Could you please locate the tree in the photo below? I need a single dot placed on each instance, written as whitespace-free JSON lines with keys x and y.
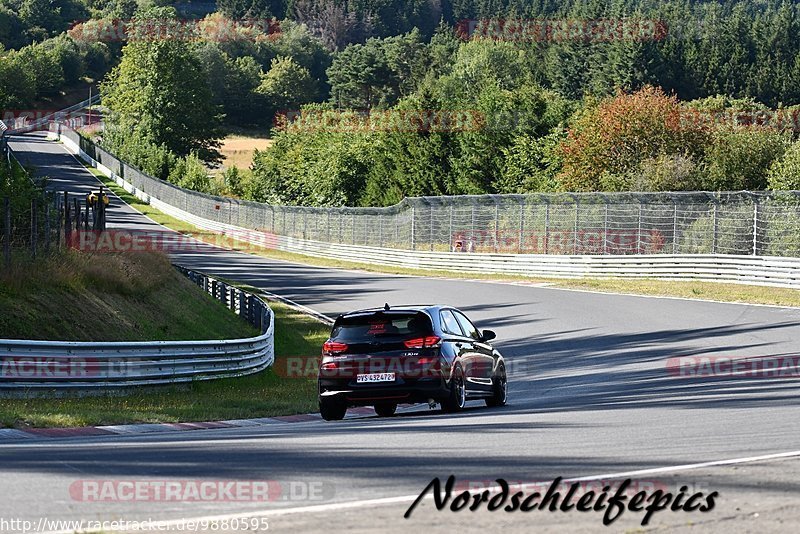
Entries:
{"x":160,"y":91}
{"x":287,"y":85}
{"x":240,"y":9}
{"x":612,"y":137}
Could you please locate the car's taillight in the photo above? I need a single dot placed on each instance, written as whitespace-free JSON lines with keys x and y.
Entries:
{"x":334,"y":347}
{"x":422,"y":342}
{"x":329,"y":366}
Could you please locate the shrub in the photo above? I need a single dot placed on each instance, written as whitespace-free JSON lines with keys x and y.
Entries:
{"x":784,"y":173}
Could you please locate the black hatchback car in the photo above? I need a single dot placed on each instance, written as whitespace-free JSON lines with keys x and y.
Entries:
{"x":385,"y":356}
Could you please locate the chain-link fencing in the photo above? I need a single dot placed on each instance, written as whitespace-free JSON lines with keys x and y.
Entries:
{"x":756,"y":223}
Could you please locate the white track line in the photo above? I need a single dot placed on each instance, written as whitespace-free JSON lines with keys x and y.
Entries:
{"x":318,"y":508}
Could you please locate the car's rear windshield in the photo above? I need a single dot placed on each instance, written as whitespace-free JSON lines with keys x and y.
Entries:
{"x":380,"y":325}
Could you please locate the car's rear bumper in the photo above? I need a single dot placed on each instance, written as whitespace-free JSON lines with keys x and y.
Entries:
{"x":420,"y":390}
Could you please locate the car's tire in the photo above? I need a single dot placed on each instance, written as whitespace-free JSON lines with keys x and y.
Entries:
{"x":499,"y":389}
{"x":332,"y":409}
{"x":457,"y":399}
{"x":385,"y":409}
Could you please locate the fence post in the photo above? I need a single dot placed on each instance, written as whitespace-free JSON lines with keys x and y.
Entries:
{"x":431,"y":229}
{"x":755,"y":226}
{"x":46,"y":227}
{"x":380,"y":230}
{"x":575,"y":229}
{"x":329,"y":225}
{"x":34,"y":227}
{"x":413,"y":229}
{"x":639,"y":229}
{"x":7,"y":231}
{"x":450,"y":229}
{"x":521,"y":225}
{"x":546,"y":226}
{"x":67,"y":221}
{"x":353,"y":224}
{"x":496,"y":226}
{"x":675,"y":228}
{"x":716,"y":228}
{"x":605,"y":228}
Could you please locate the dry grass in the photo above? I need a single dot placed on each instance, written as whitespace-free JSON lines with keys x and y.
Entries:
{"x":238,"y":150}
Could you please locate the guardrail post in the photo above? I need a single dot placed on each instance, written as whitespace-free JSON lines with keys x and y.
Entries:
{"x":242,"y":304}
{"x":7,"y":231}
{"x":232,"y":299}
{"x":223,"y":292}
{"x":214,"y":289}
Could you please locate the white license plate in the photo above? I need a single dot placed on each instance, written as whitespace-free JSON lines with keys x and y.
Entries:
{"x":375,"y":377}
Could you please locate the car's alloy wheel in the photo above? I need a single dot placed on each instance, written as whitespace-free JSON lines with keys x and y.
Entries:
{"x":385,"y":409}
{"x":499,"y":389}
{"x":332,"y":409}
{"x":458,"y":393}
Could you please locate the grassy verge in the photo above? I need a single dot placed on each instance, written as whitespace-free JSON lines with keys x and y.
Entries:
{"x":72,"y":296}
{"x":686,"y":289}
{"x":262,"y":395}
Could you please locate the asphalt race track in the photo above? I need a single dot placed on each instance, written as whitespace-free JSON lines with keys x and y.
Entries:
{"x":590,"y":396}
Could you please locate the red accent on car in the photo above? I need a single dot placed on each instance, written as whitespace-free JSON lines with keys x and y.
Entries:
{"x":333,"y":347}
{"x":422,"y":342}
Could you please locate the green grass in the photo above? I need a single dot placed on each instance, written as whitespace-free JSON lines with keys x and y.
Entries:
{"x":72,"y":296}
{"x":722,"y":292}
{"x":261,"y":395}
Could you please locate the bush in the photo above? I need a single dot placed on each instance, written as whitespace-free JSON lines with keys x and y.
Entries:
{"x":784,"y":173}
{"x":667,"y":172}
{"x":190,"y":173}
{"x":734,"y":233}
{"x":739,"y":159}
{"x":783,"y":234}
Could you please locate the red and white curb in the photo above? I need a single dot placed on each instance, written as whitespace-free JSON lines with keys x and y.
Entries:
{"x":19,"y":434}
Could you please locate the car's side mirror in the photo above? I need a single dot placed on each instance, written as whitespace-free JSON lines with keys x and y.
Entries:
{"x":488,"y":335}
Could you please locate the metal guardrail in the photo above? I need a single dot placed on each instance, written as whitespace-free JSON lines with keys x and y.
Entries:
{"x":749,"y":269}
{"x":45,"y":365}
